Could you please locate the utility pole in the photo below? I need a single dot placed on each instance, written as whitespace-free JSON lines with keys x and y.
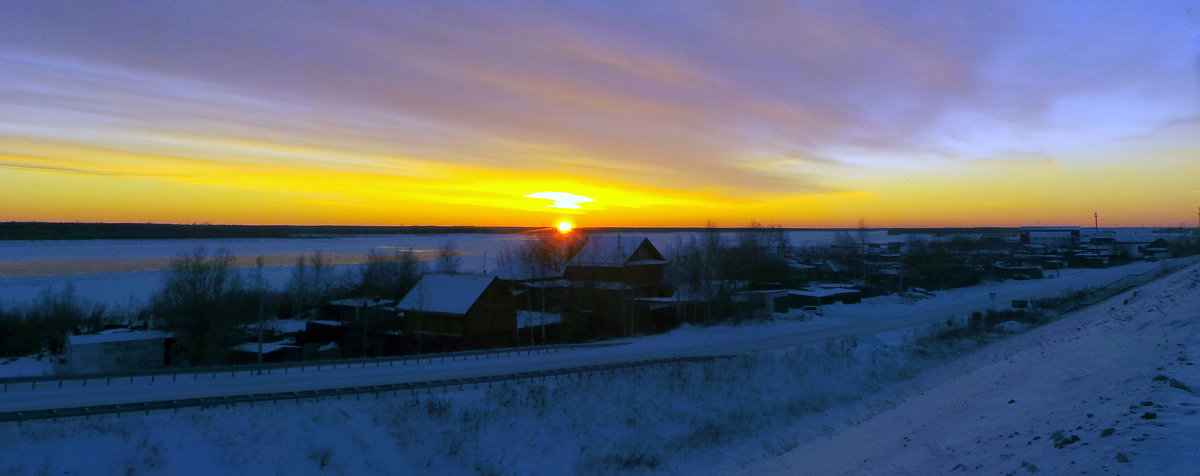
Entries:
{"x":1097,"y":216}
{"x":258,"y":285}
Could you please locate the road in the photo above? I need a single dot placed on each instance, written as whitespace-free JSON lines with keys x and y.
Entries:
{"x":873,"y":316}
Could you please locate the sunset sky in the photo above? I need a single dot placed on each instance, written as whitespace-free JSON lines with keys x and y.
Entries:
{"x":805,"y":114}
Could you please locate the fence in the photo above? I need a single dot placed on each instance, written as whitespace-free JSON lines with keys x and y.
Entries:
{"x":1119,"y":286}
{"x":375,"y":390}
{"x":257,"y":369}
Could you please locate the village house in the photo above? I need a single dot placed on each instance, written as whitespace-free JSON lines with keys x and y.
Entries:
{"x":615,"y":283}
{"x":614,"y":262}
{"x":459,"y":310}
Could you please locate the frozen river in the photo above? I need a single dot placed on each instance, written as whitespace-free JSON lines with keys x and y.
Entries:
{"x":135,"y":267}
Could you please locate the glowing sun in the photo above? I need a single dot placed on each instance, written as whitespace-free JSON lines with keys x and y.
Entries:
{"x":564,"y":227}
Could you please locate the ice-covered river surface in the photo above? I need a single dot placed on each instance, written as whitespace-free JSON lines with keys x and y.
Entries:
{"x":132,"y":289}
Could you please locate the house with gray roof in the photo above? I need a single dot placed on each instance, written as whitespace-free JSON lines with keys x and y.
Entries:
{"x":458,"y":305}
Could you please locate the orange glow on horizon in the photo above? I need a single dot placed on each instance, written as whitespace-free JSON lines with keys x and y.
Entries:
{"x":97,"y":185}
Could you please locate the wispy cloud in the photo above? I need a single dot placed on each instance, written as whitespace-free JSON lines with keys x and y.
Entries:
{"x":730,"y":102}
{"x":562,"y":199}
{"x":109,"y":173}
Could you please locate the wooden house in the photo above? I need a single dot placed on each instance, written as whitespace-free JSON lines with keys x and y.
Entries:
{"x":608,"y":283}
{"x":459,"y":306}
{"x":627,"y":263}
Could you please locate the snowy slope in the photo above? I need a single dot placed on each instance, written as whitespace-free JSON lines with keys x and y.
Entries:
{"x":873,"y":316}
{"x":1119,"y":376}
{"x":779,"y":411}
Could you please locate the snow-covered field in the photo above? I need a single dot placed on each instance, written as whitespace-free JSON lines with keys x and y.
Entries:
{"x":841,"y":405}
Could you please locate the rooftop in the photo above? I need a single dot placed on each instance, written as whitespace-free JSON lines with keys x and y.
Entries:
{"x":267,"y":347}
{"x":445,"y":293}
{"x":822,"y":292}
{"x":616,"y":251}
{"x":535,"y":318}
{"x":116,"y":335}
{"x":360,"y":302}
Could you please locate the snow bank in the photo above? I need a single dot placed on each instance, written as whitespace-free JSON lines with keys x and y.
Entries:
{"x":719,"y":416}
{"x":1111,"y":390}
{"x":27,"y":366}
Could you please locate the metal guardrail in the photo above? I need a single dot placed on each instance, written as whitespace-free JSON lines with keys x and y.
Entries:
{"x":1129,"y":282}
{"x":195,"y":372}
{"x":376,"y":390}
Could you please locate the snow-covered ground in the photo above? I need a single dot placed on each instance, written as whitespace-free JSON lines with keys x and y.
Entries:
{"x":1110,"y":390}
{"x":807,"y":406}
{"x":873,"y":316}
{"x":27,"y":366}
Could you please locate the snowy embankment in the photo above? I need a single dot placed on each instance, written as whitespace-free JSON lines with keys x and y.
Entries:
{"x":711,"y":417}
{"x":873,"y":316}
{"x":1110,"y":390}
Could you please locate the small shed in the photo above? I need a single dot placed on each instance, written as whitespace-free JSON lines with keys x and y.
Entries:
{"x":817,"y":296}
{"x":768,"y":300}
{"x":116,"y":350}
{"x":278,"y":351}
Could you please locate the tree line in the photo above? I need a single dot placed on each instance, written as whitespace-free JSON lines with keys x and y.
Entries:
{"x":205,"y":300}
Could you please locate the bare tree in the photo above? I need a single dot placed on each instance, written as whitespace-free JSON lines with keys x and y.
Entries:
{"x":44,"y":324}
{"x":260,"y":292}
{"x":199,"y":303}
{"x":699,"y":265}
{"x":299,"y":287}
{"x":311,"y":281}
{"x":448,"y":260}
{"x":389,"y":276}
{"x":322,"y":278}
